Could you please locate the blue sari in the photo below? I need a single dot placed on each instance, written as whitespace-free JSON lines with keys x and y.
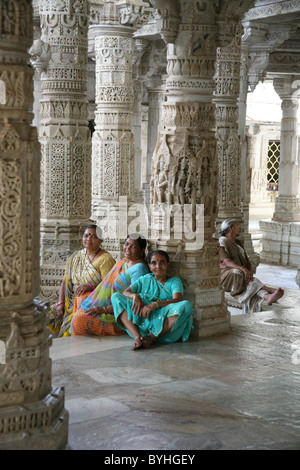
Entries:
{"x":151,"y":290}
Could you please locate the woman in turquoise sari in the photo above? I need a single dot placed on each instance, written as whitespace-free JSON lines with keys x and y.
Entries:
{"x":152,"y":308}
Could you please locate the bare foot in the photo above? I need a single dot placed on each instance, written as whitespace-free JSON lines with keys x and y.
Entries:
{"x":277,"y":294}
{"x":138,"y":343}
{"x":148,"y":340}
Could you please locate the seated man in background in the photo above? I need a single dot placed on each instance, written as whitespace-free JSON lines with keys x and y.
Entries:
{"x":236,"y":271}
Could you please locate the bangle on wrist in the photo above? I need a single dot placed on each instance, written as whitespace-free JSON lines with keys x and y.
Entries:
{"x":155,"y":305}
{"x":60,"y":303}
{"x":91,"y":286}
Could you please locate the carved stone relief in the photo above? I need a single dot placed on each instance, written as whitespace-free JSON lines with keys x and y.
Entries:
{"x":60,"y":57}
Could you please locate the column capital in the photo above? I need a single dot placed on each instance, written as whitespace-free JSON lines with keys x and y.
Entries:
{"x":287,"y":86}
{"x":126,"y":12}
{"x":258,"y":41}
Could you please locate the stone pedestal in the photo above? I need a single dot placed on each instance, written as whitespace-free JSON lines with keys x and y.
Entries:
{"x":32,"y":414}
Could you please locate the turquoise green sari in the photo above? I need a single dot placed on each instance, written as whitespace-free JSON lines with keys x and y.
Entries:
{"x":150,"y":290}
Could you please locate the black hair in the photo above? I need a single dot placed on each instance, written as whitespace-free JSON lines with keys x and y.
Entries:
{"x":139,"y":238}
{"x":97,"y":228}
{"x":159,"y":252}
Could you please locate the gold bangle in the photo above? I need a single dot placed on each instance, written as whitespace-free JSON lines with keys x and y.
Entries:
{"x":155,"y":305}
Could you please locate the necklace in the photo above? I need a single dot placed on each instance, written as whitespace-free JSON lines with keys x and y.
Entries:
{"x":91,"y":260}
{"x":161,"y":289}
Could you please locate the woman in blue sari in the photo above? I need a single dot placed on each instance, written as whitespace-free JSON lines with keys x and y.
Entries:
{"x":152,"y":308}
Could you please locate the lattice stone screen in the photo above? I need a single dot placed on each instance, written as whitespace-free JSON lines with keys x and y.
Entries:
{"x":273,"y":165}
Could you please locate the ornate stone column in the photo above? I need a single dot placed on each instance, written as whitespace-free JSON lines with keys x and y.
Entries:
{"x":234,"y":184}
{"x":137,"y":133}
{"x":281,"y":235}
{"x":184,"y":164}
{"x":64,"y":135}
{"x":32,"y":414}
{"x":113,"y":145}
{"x":287,"y":204}
{"x":229,"y":148}
{"x":156,"y":97}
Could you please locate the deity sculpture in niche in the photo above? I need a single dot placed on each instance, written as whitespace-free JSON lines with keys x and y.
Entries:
{"x":161,"y":183}
{"x":181,"y":182}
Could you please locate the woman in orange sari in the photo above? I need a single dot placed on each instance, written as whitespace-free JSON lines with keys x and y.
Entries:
{"x":85,"y":269}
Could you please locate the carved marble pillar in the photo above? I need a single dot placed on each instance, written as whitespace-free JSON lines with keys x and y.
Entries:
{"x":113,"y":146}
{"x":229,"y":149}
{"x":184,"y":165}
{"x":246,"y":80}
{"x":32,"y":414}
{"x":234,"y":184}
{"x":287,"y":204}
{"x":137,"y":133}
{"x":64,"y":136}
{"x":281,"y":235}
{"x":113,"y":140}
{"x":156,"y":96}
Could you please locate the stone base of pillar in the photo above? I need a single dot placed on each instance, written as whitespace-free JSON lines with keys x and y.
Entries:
{"x":287,"y":209}
{"x":113,"y":217}
{"x":213,"y":319}
{"x":32,"y":414}
{"x":41,"y":425}
{"x":200,"y":274}
{"x":58,"y":241}
{"x":280,"y":242}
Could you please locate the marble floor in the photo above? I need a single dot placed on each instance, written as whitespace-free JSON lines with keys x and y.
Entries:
{"x":233,"y":392}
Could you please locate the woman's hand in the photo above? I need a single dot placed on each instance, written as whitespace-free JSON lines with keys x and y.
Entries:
{"x":83,"y":289}
{"x":146,"y":310}
{"x":94,"y":311}
{"x":60,"y":310}
{"x":137,"y":304}
{"x":248,"y":275}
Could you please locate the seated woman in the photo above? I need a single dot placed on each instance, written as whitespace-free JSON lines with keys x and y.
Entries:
{"x":95,"y":315}
{"x":152,"y":308}
{"x":84,"y":270}
{"x":236,"y":271}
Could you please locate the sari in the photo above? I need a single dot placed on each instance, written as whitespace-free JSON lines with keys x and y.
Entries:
{"x":117,"y":280}
{"x":251,"y":295}
{"x":78,"y":271}
{"x":150,"y":290}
